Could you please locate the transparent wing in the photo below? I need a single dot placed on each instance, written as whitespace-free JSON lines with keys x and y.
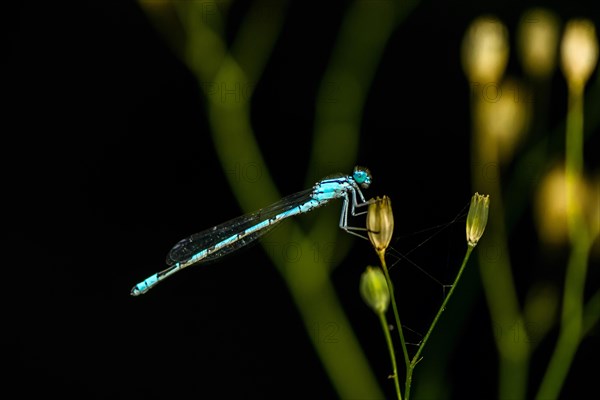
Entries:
{"x":189,"y":246}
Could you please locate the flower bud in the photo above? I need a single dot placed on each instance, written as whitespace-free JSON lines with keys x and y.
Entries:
{"x":374,"y":289}
{"x":538,"y":42}
{"x":579,"y":52}
{"x":485,"y":50}
{"x":551,"y":206}
{"x":477,"y":218}
{"x":502,"y":119}
{"x":380,"y":223}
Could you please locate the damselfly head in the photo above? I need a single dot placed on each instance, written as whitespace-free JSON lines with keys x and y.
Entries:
{"x":362,"y":176}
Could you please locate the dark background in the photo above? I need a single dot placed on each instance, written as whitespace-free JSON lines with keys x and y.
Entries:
{"x":109,"y":162}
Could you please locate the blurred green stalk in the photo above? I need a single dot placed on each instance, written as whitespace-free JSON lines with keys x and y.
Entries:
{"x":497,"y":279}
{"x":571,"y":327}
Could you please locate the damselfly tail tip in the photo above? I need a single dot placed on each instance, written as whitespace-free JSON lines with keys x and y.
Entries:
{"x":144,"y":286}
{"x":140,"y":288}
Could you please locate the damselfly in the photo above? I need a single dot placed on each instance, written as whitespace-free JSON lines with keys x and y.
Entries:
{"x":230,"y":236}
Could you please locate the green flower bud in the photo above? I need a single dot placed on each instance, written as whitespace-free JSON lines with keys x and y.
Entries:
{"x":477,"y":218}
{"x":374,"y":289}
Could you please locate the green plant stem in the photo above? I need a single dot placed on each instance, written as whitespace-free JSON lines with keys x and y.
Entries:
{"x":394,"y":308}
{"x":574,"y":162}
{"x":571,"y":329}
{"x":416,"y":358}
{"x":388,"y":339}
{"x":496,"y":272}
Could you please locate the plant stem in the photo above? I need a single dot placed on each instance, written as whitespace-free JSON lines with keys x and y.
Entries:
{"x":388,"y":338}
{"x":416,"y":359}
{"x":395,"y":308}
{"x":571,"y":329}
{"x":572,"y":313}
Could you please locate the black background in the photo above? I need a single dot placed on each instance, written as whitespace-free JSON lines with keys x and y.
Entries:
{"x":109,"y":162}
